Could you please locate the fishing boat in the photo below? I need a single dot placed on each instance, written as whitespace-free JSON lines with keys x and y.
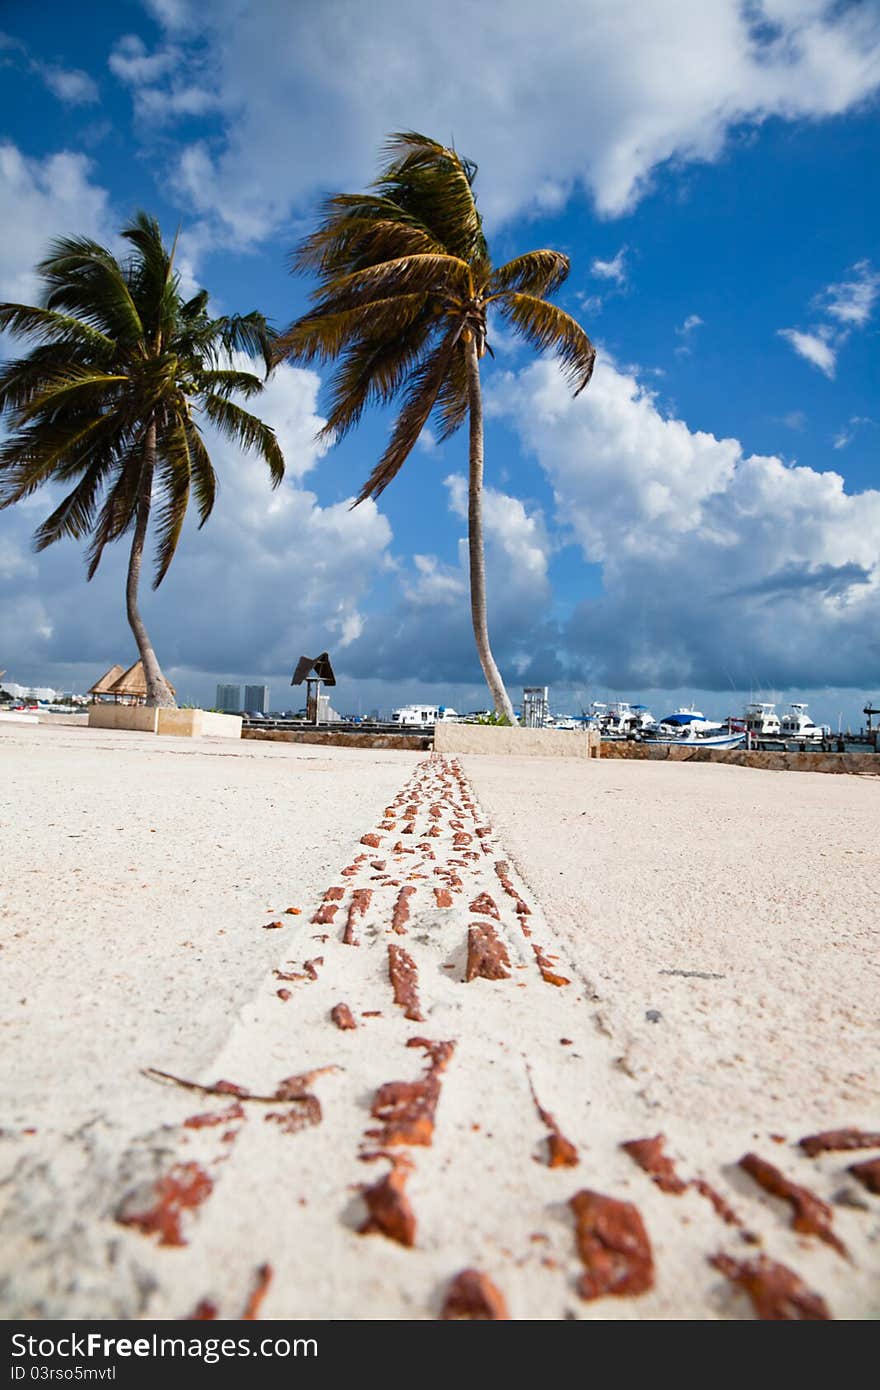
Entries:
{"x":796,"y":724}
{"x":622,"y":720}
{"x":689,"y":727}
{"x":762,"y":721}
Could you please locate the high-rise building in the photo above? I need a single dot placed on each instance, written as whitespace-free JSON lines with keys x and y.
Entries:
{"x":256,"y":699}
{"x":229,"y":699}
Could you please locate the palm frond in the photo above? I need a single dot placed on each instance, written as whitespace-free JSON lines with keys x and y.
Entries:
{"x":204,"y":480}
{"x":85,"y":279}
{"x":227,"y":381}
{"x":247,"y":430}
{"x":453,"y":401}
{"x":320,"y":337}
{"x":549,"y":328}
{"x":421,"y":396}
{"x":53,"y":329}
{"x":537,"y":272}
{"x":425,"y":272}
{"x":81,"y":383}
{"x":173,"y":474}
{"x":248,"y":333}
{"x":372,"y":373}
{"x":119,"y":511}
{"x":74,"y":516}
{"x":435,"y":184}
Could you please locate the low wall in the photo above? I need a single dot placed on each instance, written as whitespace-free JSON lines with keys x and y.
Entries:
{"x":198,"y":723}
{"x":524,"y":743}
{"x":132,"y":717}
{"x":410,"y":743}
{"x":740,"y":757}
{"x":79,"y":720}
{"x":179,"y":723}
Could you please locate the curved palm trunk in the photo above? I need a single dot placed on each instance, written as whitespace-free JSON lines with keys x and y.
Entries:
{"x":475,"y":537}
{"x":158,"y":689}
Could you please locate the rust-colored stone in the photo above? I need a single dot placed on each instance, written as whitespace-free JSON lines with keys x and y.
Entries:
{"x":487,"y":957}
{"x":485,"y":906}
{"x":283,"y":994}
{"x":311,"y":967}
{"x":443,"y":897}
{"x":868,"y":1174}
{"x":334,"y":895}
{"x":342,"y":1016}
{"x":216,"y":1117}
{"x":650,"y":1156}
{"x":561,"y":1152}
{"x":184,"y":1188}
{"x":303,"y":1115}
{"x":546,"y":967}
{"x":613,"y":1244}
{"x":406,"y":1109}
{"x":721,"y":1205}
{"x":205,"y":1311}
{"x":839,"y":1140}
{"x":405,"y":982}
{"x":325,"y":914}
{"x":262,"y":1280}
{"x":461,"y":839}
{"x":472,"y":1296}
{"x":811,"y":1215}
{"x":272,"y":926}
{"x":374,"y":841}
{"x":390,"y":1213}
{"x":400,"y":915}
{"x":292,"y":911}
{"x":776,"y":1292}
{"x":360,"y":901}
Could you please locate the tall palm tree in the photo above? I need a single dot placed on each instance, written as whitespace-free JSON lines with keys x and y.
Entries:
{"x":404,"y":285}
{"x":106,"y":399}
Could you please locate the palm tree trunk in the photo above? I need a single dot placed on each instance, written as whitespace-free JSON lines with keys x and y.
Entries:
{"x":158,"y":690}
{"x":476,"y":552}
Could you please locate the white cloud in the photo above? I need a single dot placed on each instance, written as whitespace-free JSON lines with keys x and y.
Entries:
{"x":814,"y":347}
{"x":133,"y":63}
{"x":70,"y":85}
{"x":715,"y":565}
{"x":615,"y":269}
{"x":600,"y":97}
{"x":851,"y":302}
{"x":39,"y":200}
{"x":686,"y":331}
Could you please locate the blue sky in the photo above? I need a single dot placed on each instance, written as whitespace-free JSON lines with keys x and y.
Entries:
{"x":702,"y":522}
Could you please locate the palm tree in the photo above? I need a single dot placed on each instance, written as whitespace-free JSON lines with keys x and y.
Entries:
{"x":404,"y":285}
{"x":105,"y":401}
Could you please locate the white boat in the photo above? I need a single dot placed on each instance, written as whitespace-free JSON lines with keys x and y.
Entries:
{"x":423,"y":716}
{"x":762,"y":721}
{"x":689,"y":727}
{"x":622,"y":720}
{"x":797,"y":725}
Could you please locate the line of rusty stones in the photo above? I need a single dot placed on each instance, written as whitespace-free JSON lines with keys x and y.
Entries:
{"x":611,"y":1238}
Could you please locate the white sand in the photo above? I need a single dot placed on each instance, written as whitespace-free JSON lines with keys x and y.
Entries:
{"x":137,"y":876}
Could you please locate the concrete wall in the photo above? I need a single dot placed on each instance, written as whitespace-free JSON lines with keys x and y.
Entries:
{"x":198,"y":723}
{"x":111,"y":716}
{"x":774,"y":762}
{"x":525,"y":743}
{"x":416,"y":743}
{"x":80,"y":720}
{"x":180,"y":723}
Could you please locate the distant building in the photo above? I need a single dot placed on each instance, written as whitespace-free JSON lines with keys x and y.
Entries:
{"x":228,"y":699}
{"x":256,"y":699}
{"x":32,"y":692}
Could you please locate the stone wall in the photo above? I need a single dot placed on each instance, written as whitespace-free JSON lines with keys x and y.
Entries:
{"x":525,"y":743}
{"x":409,"y":742}
{"x":740,"y":757}
{"x":180,"y":723}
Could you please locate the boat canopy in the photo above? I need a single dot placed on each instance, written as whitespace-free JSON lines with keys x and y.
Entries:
{"x":682,"y":719}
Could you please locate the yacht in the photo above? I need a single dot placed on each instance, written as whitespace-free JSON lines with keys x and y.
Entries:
{"x":762,"y":721}
{"x":423,"y":716}
{"x":622,"y":720}
{"x":798,"y":725}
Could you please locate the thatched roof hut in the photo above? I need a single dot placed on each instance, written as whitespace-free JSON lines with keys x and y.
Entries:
{"x":130,"y":685}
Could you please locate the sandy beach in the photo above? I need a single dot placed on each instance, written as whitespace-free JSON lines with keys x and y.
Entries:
{"x":655,"y":948}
